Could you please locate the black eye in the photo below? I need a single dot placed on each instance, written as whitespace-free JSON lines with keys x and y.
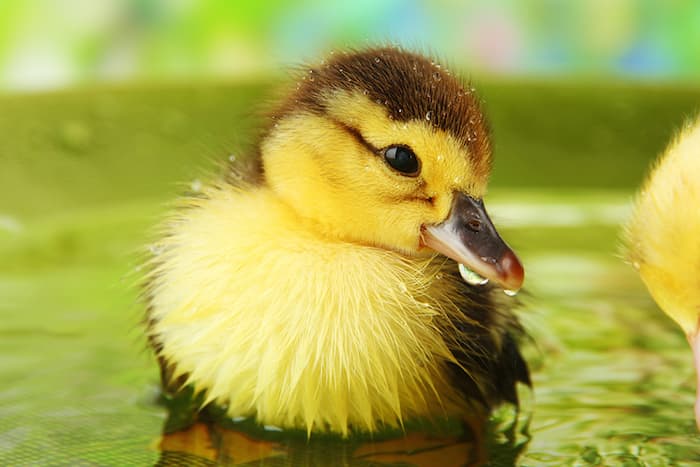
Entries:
{"x":403,"y":160}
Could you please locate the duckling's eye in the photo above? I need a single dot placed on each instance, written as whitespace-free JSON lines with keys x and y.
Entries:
{"x":403,"y":160}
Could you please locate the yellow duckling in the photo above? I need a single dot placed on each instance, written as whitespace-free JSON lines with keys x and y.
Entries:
{"x":310,"y":294}
{"x":663,"y":236}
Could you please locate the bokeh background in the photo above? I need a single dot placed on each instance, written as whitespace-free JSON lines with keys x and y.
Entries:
{"x":111,"y":109}
{"x":55,"y":43}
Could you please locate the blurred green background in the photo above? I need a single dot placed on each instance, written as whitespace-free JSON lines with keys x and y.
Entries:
{"x":110,"y":109}
{"x":46,"y":43}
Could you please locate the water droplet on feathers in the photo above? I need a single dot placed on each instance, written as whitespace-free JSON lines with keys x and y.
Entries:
{"x":510,"y":293}
{"x":155,"y":249}
{"x":428,"y":115}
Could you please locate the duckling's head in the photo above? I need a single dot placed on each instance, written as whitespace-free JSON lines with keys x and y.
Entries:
{"x":385,"y":147}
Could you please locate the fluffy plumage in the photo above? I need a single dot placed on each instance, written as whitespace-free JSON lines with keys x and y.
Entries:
{"x":307,"y":298}
{"x":663,"y":235}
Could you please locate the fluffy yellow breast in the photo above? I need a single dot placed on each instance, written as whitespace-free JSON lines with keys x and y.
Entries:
{"x":272,"y":320}
{"x":664,"y":232}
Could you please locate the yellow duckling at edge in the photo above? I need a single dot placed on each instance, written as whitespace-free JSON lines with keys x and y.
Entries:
{"x":663,"y":237}
{"x":320,"y":290}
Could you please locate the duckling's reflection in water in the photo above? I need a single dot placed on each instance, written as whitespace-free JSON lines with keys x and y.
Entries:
{"x":208,"y":438}
{"x":209,"y":444}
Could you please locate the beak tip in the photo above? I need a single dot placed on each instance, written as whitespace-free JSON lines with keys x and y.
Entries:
{"x":513,"y":272}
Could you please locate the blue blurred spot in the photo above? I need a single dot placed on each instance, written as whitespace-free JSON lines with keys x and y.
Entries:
{"x":645,"y":58}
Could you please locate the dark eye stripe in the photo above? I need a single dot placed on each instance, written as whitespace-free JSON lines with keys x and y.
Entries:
{"x":403,"y":160}
{"x":400,"y":158}
{"x":355,"y":133}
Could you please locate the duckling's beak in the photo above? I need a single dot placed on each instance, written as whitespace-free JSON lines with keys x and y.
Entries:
{"x":469,"y":237}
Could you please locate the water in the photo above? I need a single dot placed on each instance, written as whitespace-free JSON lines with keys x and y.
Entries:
{"x":613,"y":380}
{"x":613,"y":377}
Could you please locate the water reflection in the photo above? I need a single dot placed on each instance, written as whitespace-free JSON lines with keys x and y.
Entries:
{"x":209,"y":439}
{"x":206,"y":443}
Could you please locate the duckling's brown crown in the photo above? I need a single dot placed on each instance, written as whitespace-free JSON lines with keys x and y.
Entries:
{"x":408,"y":85}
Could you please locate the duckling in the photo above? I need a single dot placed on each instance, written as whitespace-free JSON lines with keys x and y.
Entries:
{"x":662,"y":236}
{"x":320,"y":290}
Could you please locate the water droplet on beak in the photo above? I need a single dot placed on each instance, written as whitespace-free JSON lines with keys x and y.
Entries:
{"x":471,"y":277}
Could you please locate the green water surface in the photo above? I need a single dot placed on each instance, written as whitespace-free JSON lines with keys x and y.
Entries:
{"x":85,"y":174}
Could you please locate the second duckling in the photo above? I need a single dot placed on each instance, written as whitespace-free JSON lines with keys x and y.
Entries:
{"x":663,"y":236}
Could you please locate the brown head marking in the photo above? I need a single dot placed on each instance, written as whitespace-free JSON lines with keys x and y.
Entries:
{"x":408,"y":85}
